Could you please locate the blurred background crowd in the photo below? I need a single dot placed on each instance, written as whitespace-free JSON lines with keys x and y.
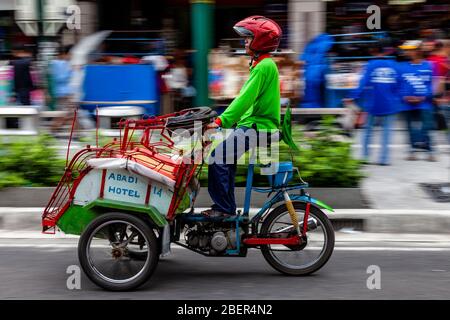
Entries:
{"x":115,"y":59}
{"x":174,"y":36}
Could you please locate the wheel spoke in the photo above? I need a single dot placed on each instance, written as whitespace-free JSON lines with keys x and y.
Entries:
{"x":118,"y":266}
{"x":123,"y":232}
{"x":126,"y":242}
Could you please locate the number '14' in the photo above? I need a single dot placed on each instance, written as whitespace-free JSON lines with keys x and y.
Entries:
{"x":157,"y":191}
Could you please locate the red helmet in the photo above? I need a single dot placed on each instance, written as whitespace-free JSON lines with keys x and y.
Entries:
{"x":266,"y":33}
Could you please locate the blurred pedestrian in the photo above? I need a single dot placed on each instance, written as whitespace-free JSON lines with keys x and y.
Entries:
{"x":23,"y":83}
{"x":161,"y":65}
{"x":417,"y":93}
{"x":176,"y":79}
{"x":380,"y":87}
{"x":178,"y":82}
{"x":61,"y":74}
{"x":441,"y":67}
{"x":442,"y":81}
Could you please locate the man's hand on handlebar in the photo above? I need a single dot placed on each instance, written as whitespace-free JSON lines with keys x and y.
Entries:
{"x":212,"y":125}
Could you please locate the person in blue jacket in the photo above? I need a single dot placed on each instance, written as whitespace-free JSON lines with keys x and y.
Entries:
{"x":379,"y":87}
{"x":417,"y":94}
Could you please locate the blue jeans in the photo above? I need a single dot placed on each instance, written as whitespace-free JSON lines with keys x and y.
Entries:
{"x":386,"y":123}
{"x":222,"y":171}
{"x":419,"y":123}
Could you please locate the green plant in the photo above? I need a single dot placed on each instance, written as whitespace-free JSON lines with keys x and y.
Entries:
{"x":30,"y":162}
{"x":10,"y":179}
{"x":325,"y":160}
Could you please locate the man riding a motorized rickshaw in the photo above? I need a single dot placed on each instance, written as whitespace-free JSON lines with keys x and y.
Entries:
{"x":256,"y":108}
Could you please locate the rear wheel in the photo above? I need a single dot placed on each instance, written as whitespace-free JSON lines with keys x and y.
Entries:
{"x":301,"y":259}
{"x":118,"y":251}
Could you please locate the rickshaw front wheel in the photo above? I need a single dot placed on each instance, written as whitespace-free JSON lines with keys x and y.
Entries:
{"x":299,"y":260}
{"x":107,"y":247}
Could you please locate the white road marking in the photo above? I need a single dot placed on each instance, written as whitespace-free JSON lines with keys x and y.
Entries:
{"x":405,"y":249}
{"x":176,"y":247}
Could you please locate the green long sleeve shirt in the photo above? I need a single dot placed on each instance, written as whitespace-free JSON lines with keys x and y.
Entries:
{"x":258,"y":101}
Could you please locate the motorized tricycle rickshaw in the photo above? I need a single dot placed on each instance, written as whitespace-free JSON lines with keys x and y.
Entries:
{"x":130,"y":199}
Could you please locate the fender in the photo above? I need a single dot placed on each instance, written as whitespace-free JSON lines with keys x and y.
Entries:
{"x":76,"y":218}
{"x":297,"y":197}
{"x":278,"y":198}
{"x":314,"y":201}
{"x":151,"y":211}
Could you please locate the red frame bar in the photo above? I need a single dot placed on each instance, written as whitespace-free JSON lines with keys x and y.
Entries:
{"x":64,"y":193}
{"x":305,"y":218}
{"x":147,"y":196}
{"x":254,"y":241}
{"x":102,"y":186}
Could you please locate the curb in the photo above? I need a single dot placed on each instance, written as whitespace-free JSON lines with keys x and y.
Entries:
{"x":348,"y":220}
{"x":339,"y":198}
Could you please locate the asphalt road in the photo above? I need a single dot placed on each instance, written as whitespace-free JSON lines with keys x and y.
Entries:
{"x":408,"y":271}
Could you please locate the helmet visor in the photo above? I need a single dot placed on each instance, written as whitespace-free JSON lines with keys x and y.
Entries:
{"x":243,"y":32}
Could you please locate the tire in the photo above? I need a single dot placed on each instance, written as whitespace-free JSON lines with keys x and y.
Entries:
{"x":108,"y":222}
{"x":325,"y":253}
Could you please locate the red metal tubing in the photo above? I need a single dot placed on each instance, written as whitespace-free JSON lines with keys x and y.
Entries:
{"x":124,"y":148}
{"x":254,"y":241}
{"x":305,"y":218}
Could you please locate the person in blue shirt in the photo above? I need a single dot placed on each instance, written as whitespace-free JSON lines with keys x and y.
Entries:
{"x":61,"y":74}
{"x":379,"y":88}
{"x":417,"y":94}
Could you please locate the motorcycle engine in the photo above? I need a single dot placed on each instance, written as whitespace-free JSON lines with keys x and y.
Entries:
{"x":211,"y":237}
